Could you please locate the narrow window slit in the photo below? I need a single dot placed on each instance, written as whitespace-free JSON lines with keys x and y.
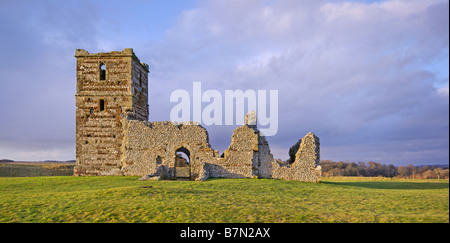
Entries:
{"x":102,"y":105}
{"x":102,"y":71}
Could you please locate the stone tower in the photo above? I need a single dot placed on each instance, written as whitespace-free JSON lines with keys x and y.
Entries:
{"x":109,"y":85}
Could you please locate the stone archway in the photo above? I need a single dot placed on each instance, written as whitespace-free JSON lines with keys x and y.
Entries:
{"x":182,"y":164}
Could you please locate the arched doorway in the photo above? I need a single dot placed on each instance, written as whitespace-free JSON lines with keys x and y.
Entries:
{"x":182,"y":164}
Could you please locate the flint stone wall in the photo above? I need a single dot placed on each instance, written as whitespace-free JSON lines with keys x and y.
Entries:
{"x":149,"y":145}
{"x":239,"y":160}
{"x":306,"y":164}
{"x":149,"y":149}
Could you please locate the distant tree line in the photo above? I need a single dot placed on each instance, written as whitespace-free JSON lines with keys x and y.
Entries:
{"x":375,"y":169}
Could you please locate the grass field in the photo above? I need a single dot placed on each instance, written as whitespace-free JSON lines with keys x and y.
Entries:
{"x":125,"y":199}
{"x":30,"y":169}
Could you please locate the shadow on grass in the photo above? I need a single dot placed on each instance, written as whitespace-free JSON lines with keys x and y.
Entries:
{"x":391,"y":185}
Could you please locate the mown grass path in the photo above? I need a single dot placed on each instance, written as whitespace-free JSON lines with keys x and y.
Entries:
{"x":125,"y":199}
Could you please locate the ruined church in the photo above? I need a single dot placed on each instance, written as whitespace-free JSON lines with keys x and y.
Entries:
{"x":114,"y":136}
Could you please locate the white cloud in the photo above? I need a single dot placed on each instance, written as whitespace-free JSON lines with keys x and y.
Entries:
{"x":443,"y":91}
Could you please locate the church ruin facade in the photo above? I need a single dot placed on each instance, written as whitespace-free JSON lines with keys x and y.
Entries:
{"x":114,"y":136}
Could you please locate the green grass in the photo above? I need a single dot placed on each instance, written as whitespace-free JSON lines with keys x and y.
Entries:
{"x":125,"y":199}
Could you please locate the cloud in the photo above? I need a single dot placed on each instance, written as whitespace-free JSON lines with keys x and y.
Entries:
{"x":443,"y":92}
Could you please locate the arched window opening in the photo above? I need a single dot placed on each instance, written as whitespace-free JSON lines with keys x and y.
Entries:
{"x":102,"y":71}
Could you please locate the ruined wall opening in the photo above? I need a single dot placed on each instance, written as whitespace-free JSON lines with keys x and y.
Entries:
{"x":159,"y":160}
{"x":183,"y":164}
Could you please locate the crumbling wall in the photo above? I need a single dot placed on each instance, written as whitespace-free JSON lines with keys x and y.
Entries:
{"x":149,"y":148}
{"x":248,"y":155}
{"x":306,"y":166}
{"x":240,"y":159}
{"x":150,"y":145}
{"x":265,"y":158}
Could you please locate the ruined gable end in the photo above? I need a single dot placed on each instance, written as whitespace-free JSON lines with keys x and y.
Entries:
{"x":305,"y":165}
{"x":308,"y":153}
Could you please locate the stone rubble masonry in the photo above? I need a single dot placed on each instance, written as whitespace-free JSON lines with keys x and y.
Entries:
{"x":114,"y":136}
{"x":306,"y":161}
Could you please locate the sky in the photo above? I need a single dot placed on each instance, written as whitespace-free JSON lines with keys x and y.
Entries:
{"x":370,"y":78}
